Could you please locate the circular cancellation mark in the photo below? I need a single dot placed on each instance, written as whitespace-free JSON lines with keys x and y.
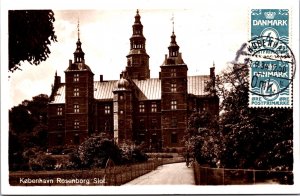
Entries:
{"x":272,"y":65}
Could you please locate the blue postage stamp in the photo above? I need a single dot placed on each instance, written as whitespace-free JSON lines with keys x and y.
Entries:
{"x":271,"y":60}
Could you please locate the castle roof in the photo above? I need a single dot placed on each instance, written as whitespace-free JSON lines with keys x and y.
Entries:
{"x":149,"y":89}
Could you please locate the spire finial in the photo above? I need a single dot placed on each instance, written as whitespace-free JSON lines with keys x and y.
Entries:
{"x":137,"y":11}
{"x":78,"y":30}
{"x":213,"y":63}
{"x":172,"y":19}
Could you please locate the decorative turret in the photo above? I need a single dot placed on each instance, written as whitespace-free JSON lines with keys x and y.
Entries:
{"x":138,"y":59}
{"x":78,"y":54}
{"x":79,"y":62}
{"x":122,"y":104}
{"x":174,"y":55}
{"x":123,"y":83}
{"x":173,"y":48}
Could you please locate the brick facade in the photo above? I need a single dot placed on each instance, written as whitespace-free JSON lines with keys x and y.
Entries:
{"x":136,"y":108}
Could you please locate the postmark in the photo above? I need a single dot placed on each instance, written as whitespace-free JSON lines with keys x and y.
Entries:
{"x":271,"y":61}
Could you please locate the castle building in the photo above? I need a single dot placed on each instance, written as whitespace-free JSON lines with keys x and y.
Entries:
{"x":134,"y":108}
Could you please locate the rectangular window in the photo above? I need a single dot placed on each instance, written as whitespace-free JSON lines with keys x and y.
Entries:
{"x":76,"y":108}
{"x":107,"y":109}
{"x":59,"y":124}
{"x":173,"y":105}
{"x":142,"y":124}
{"x":76,"y":124}
{"x":153,"y":107}
{"x":59,"y":111}
{"x":173,"y":72}
{"x":76,"y":92}
{"x":142,"y":107}
{"x":154,"y":123}
{"x":76,"y":78}
{"x":174,"y":122}
{"x":173,"y":87}
{"x":174,"y":138}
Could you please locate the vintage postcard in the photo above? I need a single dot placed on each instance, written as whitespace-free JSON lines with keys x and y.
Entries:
{"x":139,"y":97}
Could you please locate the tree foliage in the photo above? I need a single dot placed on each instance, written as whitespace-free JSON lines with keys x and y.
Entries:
{"x":24,"y":117}
{"x":28,"y":129}
{"x":258,"y":138}
{"x":30,"y":35}
{"x":203,"y":139}
{"x":94,"y":152}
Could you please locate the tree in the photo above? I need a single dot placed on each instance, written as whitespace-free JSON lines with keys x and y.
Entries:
{"x":203,"y":139}
{"x":25,"y":116}
{"x":30,"y":34}
{"x":94,"y":152}
{"x":259,"y":138}
{"x":28,"y":129}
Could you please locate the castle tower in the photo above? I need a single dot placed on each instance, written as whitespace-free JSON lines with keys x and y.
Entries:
{"x":173,"y":96}
{"x":138,"y":59}
{"x":122,"y":104}
{"x":79,"y":97}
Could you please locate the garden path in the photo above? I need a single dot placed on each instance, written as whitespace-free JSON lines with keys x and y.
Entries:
{"x":169,"y":174}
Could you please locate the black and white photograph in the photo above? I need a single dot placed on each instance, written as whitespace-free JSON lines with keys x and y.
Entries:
{"x":162,"y":97}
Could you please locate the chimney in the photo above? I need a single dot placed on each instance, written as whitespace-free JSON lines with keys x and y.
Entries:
{"x":70,"y":62}
{"x":101,"y":78}
{"x":212,"y":75}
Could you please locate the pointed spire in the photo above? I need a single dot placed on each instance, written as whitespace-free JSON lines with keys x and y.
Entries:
{"x":78,"y":54}
{"x":78,"y":30}
{"x":56,"y":73}
{"x":173,"y":47}
{"x":172,"y":19}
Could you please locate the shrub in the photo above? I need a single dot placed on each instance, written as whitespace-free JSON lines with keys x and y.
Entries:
{"x":49,"y":162}
{"x":41,"y":161}
{"x":94,"y":152}
{"x":132,"y":153}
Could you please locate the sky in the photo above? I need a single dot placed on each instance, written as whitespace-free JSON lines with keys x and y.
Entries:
{"x":206,"y":33}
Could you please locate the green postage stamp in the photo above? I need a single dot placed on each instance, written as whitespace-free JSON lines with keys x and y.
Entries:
{"x":270,"y":59}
